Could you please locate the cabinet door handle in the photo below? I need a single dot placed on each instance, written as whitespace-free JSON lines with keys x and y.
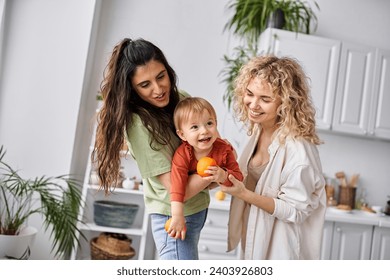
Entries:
{"x":338,"y":229}
{"x":203,"y":248}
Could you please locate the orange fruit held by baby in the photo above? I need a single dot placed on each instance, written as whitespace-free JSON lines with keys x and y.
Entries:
{"x":203,"y":164}
{"x":168,"y":224}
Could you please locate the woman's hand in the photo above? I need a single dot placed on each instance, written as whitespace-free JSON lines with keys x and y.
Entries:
{"x":237,"y":189}
{"x":240,"y":191}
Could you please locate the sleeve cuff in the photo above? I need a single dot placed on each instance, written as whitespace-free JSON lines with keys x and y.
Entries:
{"x":177,"y":197}
{"x":227,"y":181}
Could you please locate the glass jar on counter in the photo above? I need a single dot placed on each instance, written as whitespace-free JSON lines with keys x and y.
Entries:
{"x":330,"y":192}
{"x":361,"y":200}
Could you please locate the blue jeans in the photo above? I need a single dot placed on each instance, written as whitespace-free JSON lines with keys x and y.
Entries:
{"x":170,"y":248}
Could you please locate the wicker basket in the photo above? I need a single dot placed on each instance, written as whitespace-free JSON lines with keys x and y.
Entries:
{"x":114,"y":214}
{"x":111,"y":246}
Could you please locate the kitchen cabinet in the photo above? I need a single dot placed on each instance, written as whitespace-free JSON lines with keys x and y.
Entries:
{"x":351,"y":241}
{"x":346,"y":241}
{"x":354,"y":89}
{"x":379,"y":124}
{"x":355,"y":235}
{"x":327,"y":237}
{"x":318,"y":56}
{"x":139,"y":233}
{"x":350,"y":83}
{"x":363,"y":92}
{"x":381,"y":244}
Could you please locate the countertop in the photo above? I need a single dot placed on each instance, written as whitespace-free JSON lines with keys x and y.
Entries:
{"x":332,"y":214}
{"x":357,"y":217}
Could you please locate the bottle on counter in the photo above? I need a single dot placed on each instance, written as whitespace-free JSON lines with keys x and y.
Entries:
{"x":361,"y":200}
{"x":330,"y":192}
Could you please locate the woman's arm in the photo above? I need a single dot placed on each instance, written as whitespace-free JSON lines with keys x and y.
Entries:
{"x":165,"y":180}
{"x":195,"y":184}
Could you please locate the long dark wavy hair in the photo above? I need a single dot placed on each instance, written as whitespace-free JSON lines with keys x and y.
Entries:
{"x":121,"y":102}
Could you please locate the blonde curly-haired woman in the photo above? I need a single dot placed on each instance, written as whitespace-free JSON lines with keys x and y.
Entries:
{"x":278,"y":211}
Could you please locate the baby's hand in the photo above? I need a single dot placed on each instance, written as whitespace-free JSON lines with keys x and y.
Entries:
{"x":217,"y":174}
{"x":177,"y":228}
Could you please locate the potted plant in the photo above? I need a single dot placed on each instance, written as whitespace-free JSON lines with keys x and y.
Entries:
{"x":251,"y":18}
{"x":57,"y":199}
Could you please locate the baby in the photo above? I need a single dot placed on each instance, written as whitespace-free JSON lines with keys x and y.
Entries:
{"x":196,"y":124}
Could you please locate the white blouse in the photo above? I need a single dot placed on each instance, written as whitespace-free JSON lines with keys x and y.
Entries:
{"x":293,"y":177}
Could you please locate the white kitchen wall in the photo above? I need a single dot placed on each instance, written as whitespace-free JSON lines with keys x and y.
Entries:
{"x":54,"y":52}
{"x":44,"y":47}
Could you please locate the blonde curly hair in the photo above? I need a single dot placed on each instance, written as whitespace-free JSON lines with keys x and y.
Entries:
{"x":296,"y":114}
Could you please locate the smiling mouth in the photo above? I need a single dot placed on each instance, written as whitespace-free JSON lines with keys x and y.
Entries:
{"x":160,"y":96}
{"x":205,"y":140}
{"x":255,"y":114}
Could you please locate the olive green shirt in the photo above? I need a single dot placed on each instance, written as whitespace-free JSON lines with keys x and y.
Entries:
{"x":152,"y":163}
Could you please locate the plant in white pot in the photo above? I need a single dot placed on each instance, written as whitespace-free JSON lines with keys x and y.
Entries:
{"x":252,"y":17}
{"x":57,"y":199}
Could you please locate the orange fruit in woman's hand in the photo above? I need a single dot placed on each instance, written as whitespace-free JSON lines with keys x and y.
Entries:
{"x":203,"y":164}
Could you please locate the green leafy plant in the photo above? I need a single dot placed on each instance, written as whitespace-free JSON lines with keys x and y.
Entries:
{"x":234,"y":64}
{"x":57,"y":199}
{"x":250,"y":19}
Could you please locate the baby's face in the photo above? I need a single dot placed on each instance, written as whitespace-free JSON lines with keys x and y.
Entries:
{"x":200,"y":131}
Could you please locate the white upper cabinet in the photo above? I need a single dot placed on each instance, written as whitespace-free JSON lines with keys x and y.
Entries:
{"x":319,"y":58}
{"x":363,"y":92}
{"x":354,"y":89}
{"x":350,"y":83}
{"x":379,"y":124}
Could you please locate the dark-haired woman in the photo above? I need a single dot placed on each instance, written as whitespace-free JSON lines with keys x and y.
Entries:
{"x":139,"y":97}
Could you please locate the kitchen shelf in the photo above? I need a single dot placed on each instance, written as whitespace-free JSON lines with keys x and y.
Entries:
{"x":127,"y":231}
{"x":118,"y":190}
{"x":140,"y":231}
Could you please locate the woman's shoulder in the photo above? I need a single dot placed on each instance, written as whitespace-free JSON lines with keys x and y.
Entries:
{"x":298,"y":143}
{"x":183,"y":94}
{"x":301,"y":150}
{"x":136,"y":120}
{"x":136,"y":128}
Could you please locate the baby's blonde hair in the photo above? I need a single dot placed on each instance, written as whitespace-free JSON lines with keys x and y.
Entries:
{"x":190,"y":106}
